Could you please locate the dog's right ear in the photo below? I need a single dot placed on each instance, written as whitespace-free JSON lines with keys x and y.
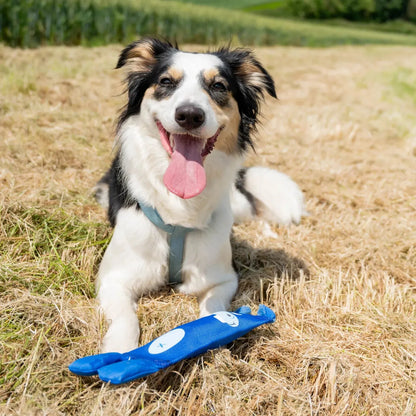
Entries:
{"x":143,"y":54}
{"x":141,"y":60}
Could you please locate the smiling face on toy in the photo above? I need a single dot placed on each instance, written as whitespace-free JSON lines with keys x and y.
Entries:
{"x":227,"y":318}
{"x":166,"y":341}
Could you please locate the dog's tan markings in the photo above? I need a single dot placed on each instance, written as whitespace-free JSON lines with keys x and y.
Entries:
{"x":229,"y":117}
{"x":175,"y":73}
{"x":210,"y":74}
{"x":142,"y":57}
{"x":252,"y":74}
{"x":164,"y":91}
{"x":149,"y":92}
{"x":210,"y":77}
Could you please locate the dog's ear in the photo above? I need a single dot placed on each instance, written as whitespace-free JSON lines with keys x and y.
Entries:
{"x":248,"y":69}
{"x":253,"y":81}
{"x":143,"y":54}
{"x":249,"y":82}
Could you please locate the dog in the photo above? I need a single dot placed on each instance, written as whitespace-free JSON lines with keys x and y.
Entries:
{"x":181,"y":142}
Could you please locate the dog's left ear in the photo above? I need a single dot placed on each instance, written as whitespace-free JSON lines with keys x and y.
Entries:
{"x":253,"y":74}
{"x":253,"y":81}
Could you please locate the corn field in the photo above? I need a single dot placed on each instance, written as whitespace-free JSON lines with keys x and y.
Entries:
{"x":95,"y":22}
{"x":31,"y":23}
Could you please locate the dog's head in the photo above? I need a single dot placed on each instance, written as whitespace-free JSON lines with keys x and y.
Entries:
{"x":193,"y":103}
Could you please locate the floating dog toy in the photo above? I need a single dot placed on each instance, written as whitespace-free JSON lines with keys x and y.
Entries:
{"x":185,"y":341}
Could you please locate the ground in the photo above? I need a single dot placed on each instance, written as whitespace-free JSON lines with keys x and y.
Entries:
{"x":342,"y":282}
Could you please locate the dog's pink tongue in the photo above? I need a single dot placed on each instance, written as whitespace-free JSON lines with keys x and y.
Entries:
{"x":185,"y":175}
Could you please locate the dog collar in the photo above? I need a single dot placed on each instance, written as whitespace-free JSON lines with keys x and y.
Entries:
{"x":176,"y":241}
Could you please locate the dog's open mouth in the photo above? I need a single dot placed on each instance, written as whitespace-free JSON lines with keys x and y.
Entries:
{"x":185,"y":175}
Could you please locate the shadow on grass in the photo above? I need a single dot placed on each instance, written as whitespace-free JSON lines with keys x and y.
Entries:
{"x":258,"y":268}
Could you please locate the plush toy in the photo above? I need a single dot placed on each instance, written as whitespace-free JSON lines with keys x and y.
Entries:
{"x":185,"y":341}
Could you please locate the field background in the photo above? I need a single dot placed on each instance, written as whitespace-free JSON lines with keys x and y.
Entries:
{"x":31,"y":23}
{"x":342,"y":283}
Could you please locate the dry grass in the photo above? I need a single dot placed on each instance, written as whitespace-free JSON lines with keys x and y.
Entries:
{"x":342,"y":283}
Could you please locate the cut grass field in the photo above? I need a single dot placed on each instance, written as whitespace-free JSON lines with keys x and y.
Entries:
{"x":342,"y":283}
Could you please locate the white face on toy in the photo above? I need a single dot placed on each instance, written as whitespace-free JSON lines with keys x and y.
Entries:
{"x":227,"y":318}
{"x":166,"y":341}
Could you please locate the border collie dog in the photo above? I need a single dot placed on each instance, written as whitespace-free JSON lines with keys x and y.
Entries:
{"x":181,"y":141}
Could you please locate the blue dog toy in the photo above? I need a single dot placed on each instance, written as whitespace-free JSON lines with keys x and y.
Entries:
{"x":185,"y":341}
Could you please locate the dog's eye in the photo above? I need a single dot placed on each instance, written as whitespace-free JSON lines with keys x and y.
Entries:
{"x":165,"y":82}
{"x":219,"y":86}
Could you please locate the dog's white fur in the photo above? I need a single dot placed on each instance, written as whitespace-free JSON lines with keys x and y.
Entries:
{"x":278,"y":197}
{"x":135,"y":261}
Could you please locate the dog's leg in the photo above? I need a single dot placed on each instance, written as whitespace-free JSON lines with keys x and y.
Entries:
{"x":133,"y":264}
{"x":120,"y":311}
{"x":219,"y":297}
{"x":208,"y":264}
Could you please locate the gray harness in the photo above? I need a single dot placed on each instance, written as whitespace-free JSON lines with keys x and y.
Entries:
{"x":176,"y":241}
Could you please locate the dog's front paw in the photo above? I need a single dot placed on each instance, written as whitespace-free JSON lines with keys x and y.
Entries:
{"x":120,"y":337}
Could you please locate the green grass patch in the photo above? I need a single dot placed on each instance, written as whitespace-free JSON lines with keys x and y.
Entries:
{"x":272,"y":8}
{"x":229,"y":4}
{"x":403,"y":81}
{"x":392,"y":26}
{"x":30,"y":23}
{"x":43,"y":250}
{"x":45,"y":257}
{"x":280,"y":9}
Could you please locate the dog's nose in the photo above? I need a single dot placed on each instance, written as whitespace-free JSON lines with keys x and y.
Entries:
{"x":189,"y":116}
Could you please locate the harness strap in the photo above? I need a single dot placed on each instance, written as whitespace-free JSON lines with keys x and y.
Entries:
{"x":176,"y":241}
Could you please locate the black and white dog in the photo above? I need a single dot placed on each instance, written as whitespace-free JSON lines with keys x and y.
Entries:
{"x":181,"y":142}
